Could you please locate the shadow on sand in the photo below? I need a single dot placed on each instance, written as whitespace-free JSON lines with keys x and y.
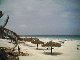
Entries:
{"x":54,"y":53}
{"x":41,"y":49}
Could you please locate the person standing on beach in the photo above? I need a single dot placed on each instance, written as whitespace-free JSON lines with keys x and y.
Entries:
{"x":19,"y":49}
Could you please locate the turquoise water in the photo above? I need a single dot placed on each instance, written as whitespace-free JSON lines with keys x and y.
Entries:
{"x":63,"y":37}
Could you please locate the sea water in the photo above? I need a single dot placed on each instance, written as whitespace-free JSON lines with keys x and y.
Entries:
{"x":55,"y":37}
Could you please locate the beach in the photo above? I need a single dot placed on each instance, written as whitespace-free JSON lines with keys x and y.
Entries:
{"x":68,"y":50}
{"x":39,"y":29}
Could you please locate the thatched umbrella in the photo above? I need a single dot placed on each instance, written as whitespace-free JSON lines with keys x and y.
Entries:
{"x":37,"y":42}
{"x":51,"y":44}
{"x":28,"y":39}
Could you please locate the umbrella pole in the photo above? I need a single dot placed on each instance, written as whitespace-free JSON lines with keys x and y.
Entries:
{"x":51,"y":50}
{"x":37,"y":46}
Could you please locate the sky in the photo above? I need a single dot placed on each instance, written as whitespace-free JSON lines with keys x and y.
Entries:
{"x":43,"y":17}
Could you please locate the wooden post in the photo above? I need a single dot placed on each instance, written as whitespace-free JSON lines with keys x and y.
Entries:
{"x":37,"y":46}
{"x":51,"y":50}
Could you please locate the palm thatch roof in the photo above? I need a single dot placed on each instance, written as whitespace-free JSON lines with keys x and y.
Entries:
{"x":37,"y":42}
{"x":53,"y":44}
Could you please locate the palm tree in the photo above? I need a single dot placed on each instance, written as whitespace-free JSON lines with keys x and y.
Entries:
{"x":3,"y":25}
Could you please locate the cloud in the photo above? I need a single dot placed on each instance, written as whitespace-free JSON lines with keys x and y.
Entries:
{"x":22,"y":26}
{"x":42,"y":16}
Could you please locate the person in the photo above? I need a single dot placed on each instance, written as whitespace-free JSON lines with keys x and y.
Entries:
{"x":19,"y":49}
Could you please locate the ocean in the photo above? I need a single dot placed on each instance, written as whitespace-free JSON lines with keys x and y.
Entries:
{"x":51,"y":37}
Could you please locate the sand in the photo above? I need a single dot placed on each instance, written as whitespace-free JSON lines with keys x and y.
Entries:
{"x":68,"y":51}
